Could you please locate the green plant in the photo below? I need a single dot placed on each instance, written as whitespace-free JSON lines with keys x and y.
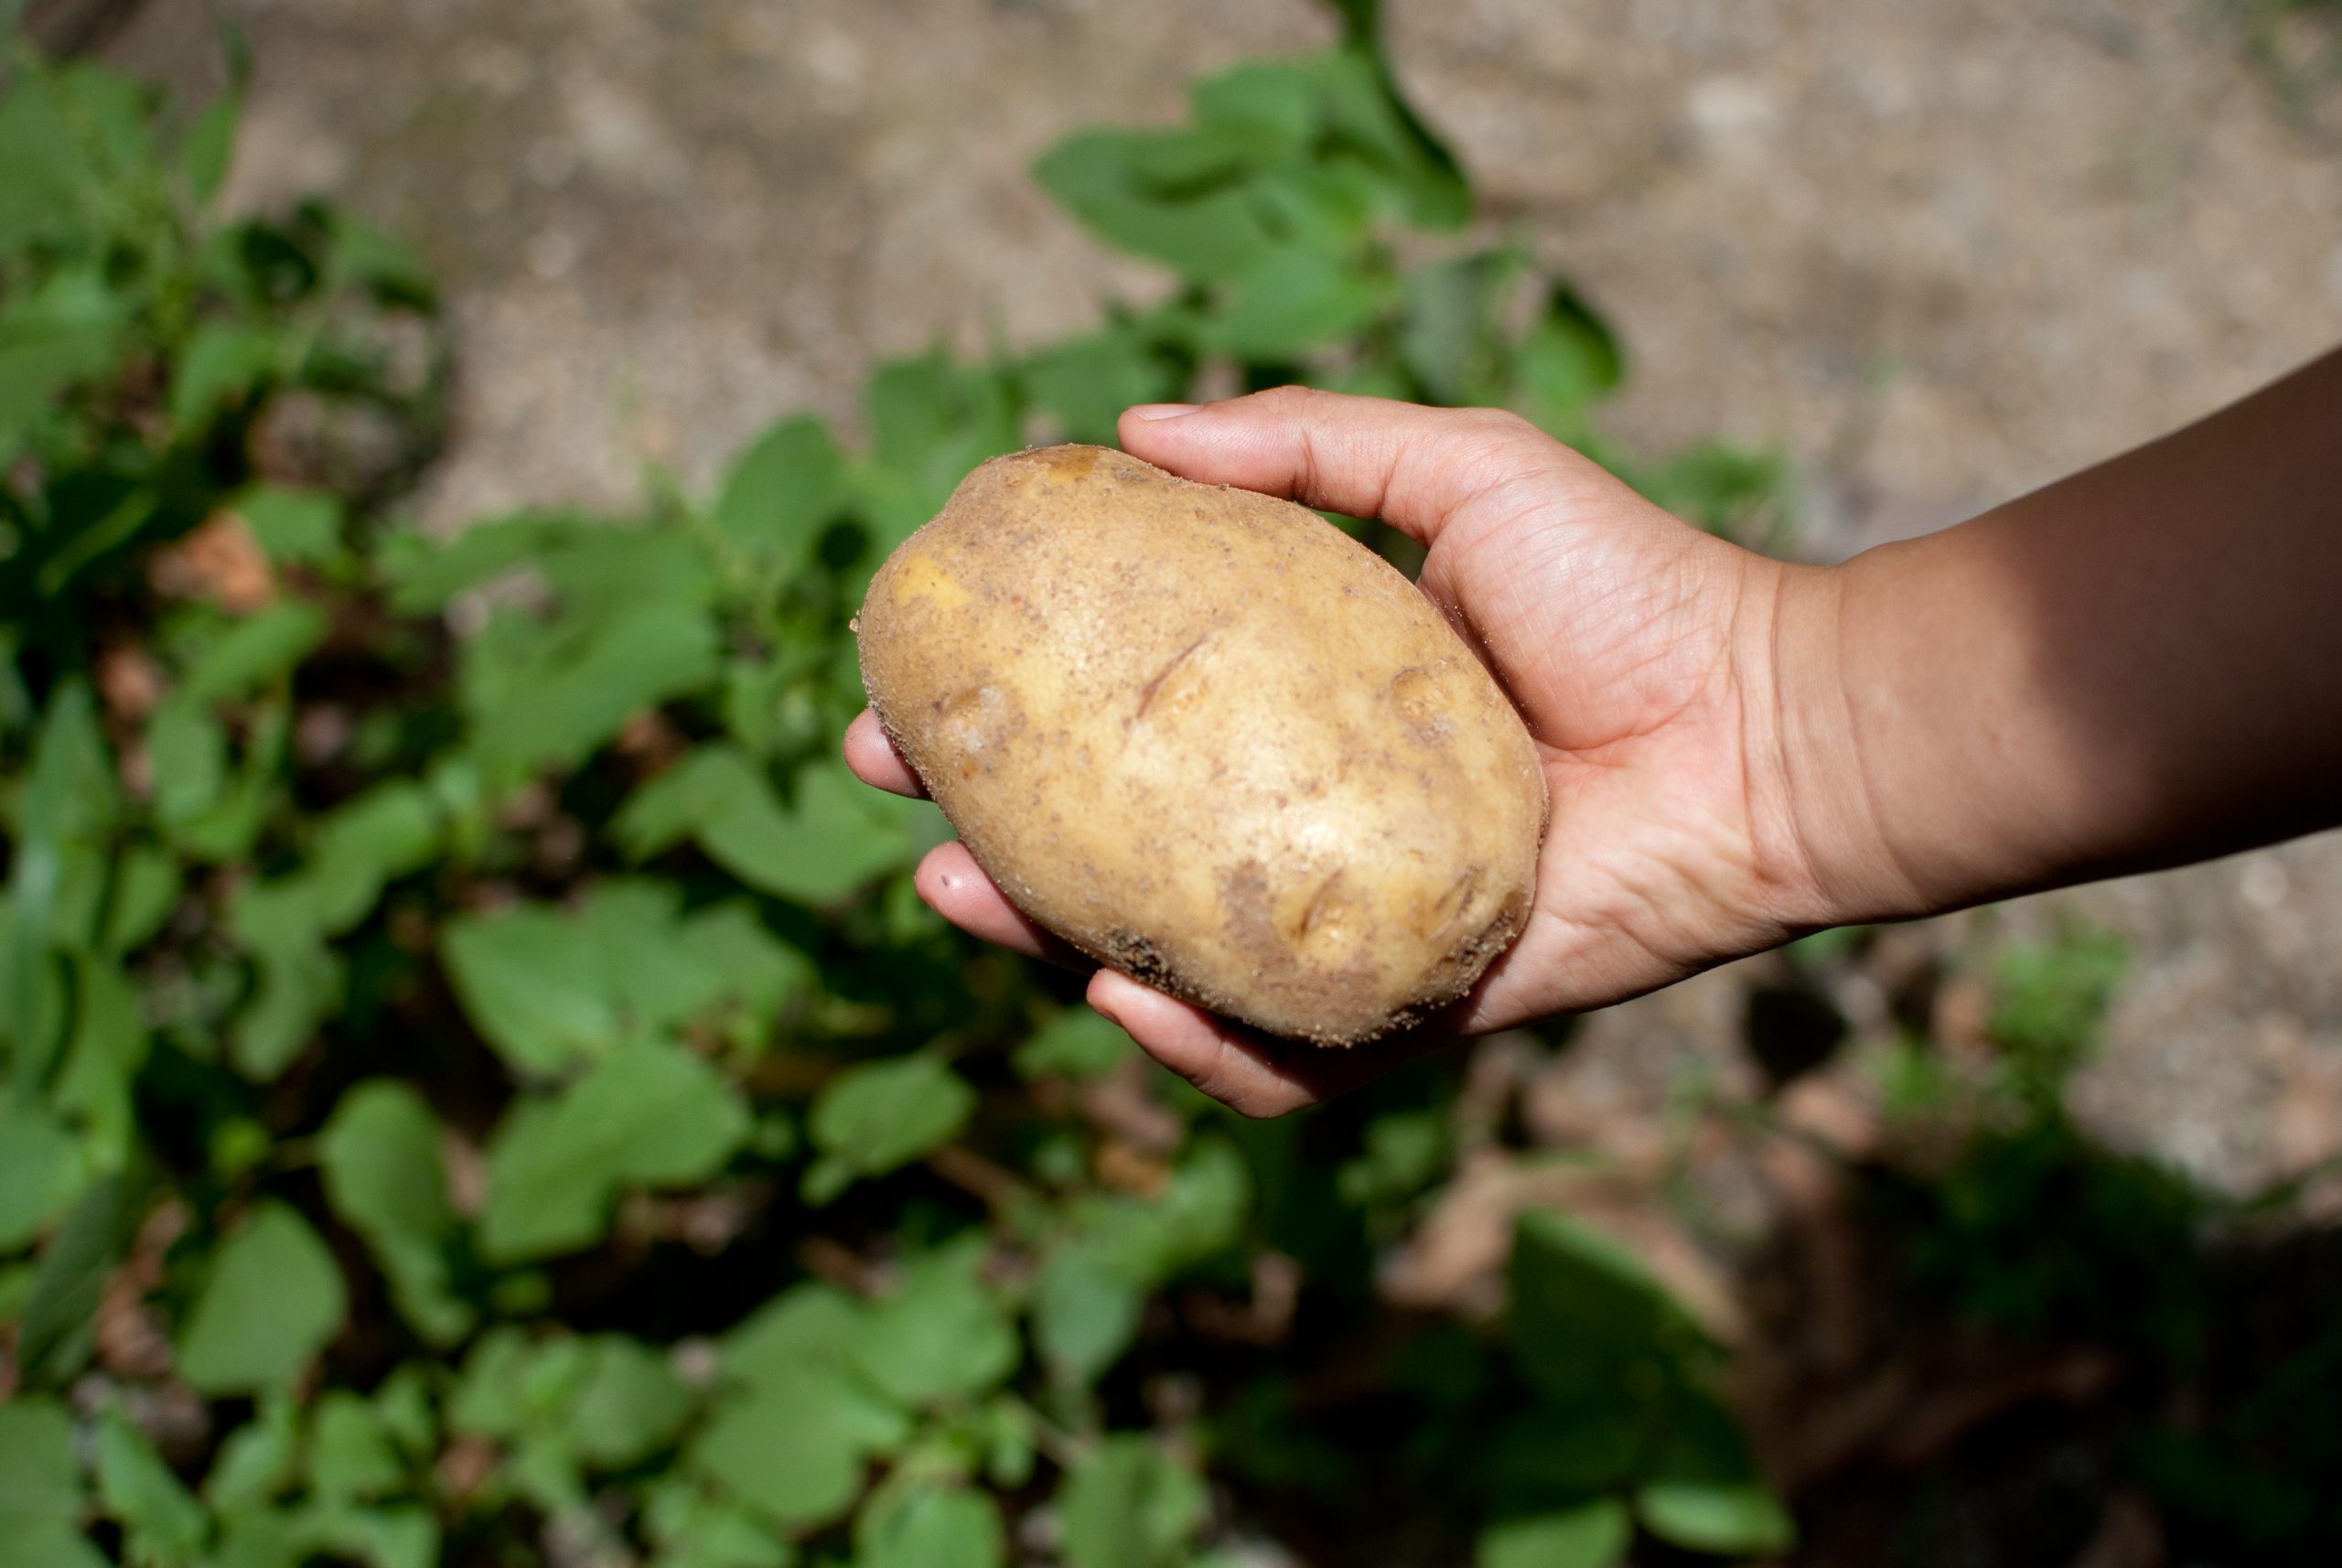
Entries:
{"x":476,"y":1061}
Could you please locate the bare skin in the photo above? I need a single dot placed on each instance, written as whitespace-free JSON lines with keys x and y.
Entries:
{"x":2140,"y":665}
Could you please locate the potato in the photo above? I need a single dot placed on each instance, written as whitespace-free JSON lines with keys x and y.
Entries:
{"x":1209,"y":740}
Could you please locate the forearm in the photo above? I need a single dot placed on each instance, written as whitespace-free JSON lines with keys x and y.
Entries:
{"x":2137,"y":666}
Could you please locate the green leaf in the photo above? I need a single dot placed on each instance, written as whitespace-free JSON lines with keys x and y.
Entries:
{"x":424,"y":573}
{"x":932,"y":1526}
{"x":1085,"y":1315}
{"x":265,"y":1538}
{"x":350,"y":1456}
{"x":222,"y":362}
{"x":299,"y":982}
{"x":1592,"y":1536}
{"x":1171,"y":196}
{"x":1128,"y":1505}
{"x":629,"y":631}
{"x":531,"y":983}
{"x":210,"y":145}
{"x":930,"y":421}
{"x":145,"y":890}
{"x":1077,"y":1043}
{"x":693,"y":1529}
{"x":41,"y":1172}
{"x":385,"y":833}
{"x":1086,"y":382}
{"x":53,"y":1340}
{"x":1717,"y":485}
{"x":811,"y":1325}
{"x":878,"y":1116}
{"x":1406,"y":1151}
{"x":939,"y":1336}
{"x":629,"y":1404}
{"x":293,"y":527}
{"x":68,"y":799}
{"x":187,"y":751}
{"x":650,"y":1114}
{"x":40,"y":1496}
{"x":1569,"y":361}
{"x":46,"y":192}
{"x":1369,"y":118}
{"x":1589,"y":1327}
{"x":37,"y":1480}
{"x":1294,"y":301}
{"x":108,"y":1046}
{"x":405,"y":1536}
{"x":1200,"y":1212}
{"x":1732,"y":1518}
{"x":253,"y":652}
{"x":549,"y":989}
{"x":793,"y":1446}
{"x":782,"y":492}
{"x":1449,"y":327}
{"x":834,"y":838}
{"x":379,"y":1154}
{"x":256,"y":1462}
{"x":162,"y":1521}
{"x":68,"y":328}
{"x":271,"y":1299}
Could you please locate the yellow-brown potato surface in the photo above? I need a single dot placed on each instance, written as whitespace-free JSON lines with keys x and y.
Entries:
{"x":1208,"y":739}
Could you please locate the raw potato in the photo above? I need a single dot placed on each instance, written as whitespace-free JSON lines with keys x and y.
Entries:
{"x":1209,"y":740}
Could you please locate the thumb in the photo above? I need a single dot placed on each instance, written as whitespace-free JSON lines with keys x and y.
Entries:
{"x":1416,"y":469}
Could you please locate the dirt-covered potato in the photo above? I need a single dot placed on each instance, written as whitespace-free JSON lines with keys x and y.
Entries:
{"x":1209,"y":740}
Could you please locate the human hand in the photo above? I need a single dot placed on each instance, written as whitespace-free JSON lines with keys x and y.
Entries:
{"x":1639,"y":649}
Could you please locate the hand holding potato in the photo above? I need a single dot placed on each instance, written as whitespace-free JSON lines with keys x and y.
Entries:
{"x":2137,"y":666}
{"x":1628,"y":642}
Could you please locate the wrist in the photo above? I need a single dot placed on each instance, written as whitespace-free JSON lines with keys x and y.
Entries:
{"x":1822,"y":831}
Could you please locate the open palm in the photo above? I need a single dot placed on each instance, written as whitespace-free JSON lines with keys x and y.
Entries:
{"x":1636,"y":648}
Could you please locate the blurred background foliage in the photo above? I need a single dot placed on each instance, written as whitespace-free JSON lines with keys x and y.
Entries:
{"x":480,"y":1087}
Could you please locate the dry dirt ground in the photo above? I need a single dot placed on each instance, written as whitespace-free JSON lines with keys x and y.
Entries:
{"x":1940,"y":251}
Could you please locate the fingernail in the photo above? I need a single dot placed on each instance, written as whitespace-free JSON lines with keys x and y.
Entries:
{"x":1154,"y":411}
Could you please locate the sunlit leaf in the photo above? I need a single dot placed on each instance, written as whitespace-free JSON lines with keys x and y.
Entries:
{"x":253,"y":651}
{"x":831,"y":840}
{"x":939,"y":1335}
{"x":648,"y":1115}
{"x":41,"y":1171}
{"x":271,"y":1298}
{"x":1129,"y":1505}
{"x":379,"y":1154}
{"x":931,"y":1527}
{"x":1592,"y":1536}
{"x":873,"y":1118}
{"x":292,"y":527}
{"x":1077,"y":1043}
{"x":793,"y":1446}
{"x":782,"y":492}
{"x":1295,"y":300}
{"x":160,"y":1519}
{"x":223,"y":362}
{"x":1735,"y":1517}
{"x":1085,"y":1313}
{"x":1588,"y":1326}
{"x":41,"y":1498}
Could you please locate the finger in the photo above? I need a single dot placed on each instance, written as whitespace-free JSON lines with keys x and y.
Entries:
{"x":1416,"y":469}
{"x":1246,"y":1071}
{"x":876,"y":761}
{"x":952,"y":884}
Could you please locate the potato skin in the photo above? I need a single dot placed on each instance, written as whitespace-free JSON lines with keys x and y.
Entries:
{"x":1208,"y":739}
